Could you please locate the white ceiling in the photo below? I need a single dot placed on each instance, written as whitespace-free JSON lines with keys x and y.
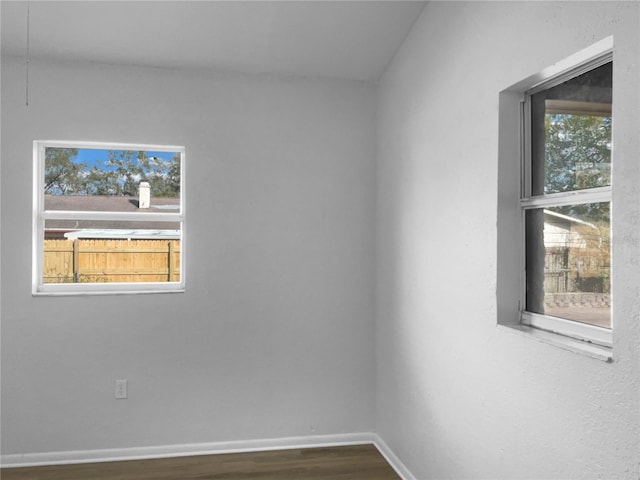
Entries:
{"x":342,"y":39}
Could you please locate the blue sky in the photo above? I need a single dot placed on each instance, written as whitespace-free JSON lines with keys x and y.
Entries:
{"x":90,"y":156}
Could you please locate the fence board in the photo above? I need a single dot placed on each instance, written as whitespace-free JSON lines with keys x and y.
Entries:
{"x":111,"y":260}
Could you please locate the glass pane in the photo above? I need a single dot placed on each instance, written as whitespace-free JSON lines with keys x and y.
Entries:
{"x":569,"y":262}
{"x":91,"y":179}
{"x":571,"y":134}
{"x":111,"y":252}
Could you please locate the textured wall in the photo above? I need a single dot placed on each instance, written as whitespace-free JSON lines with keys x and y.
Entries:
{"x":274,"y":336}
{"x":457,"y":396}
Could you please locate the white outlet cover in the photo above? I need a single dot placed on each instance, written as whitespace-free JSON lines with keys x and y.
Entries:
{"x":121,"y":389}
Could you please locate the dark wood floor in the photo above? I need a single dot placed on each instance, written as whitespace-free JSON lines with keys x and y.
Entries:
{"x":330,"y":463}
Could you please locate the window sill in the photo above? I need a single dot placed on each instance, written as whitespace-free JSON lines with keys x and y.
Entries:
{"x":56,"y":290}
{"x":581,"y":347}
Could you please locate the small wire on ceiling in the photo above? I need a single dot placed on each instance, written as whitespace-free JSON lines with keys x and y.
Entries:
{"x":28,"y":54}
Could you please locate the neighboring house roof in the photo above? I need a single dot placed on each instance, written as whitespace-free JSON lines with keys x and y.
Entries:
{"x":559,"y":231}
{"x":567,"y":219}
{"x":99,"y":203}
{"x":107,"y":203}
{"x":119,"y":233}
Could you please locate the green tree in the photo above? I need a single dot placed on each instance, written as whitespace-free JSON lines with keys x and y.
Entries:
{"x":119,"y":175}
{"x":63,"y":176}
{"x":578,"y":156}
{"x":577,"y":152}
{"x":102,"y":182}
{"x":164,"y":176}
{"x":129,"y":170}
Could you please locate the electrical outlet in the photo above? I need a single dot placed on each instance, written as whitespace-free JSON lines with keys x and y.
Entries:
{"x":121,"y":389}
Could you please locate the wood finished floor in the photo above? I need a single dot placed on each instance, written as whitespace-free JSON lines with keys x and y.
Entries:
{"x":359,"y":462}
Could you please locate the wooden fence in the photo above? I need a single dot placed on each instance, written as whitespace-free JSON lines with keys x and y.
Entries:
{"x":111,"y":260}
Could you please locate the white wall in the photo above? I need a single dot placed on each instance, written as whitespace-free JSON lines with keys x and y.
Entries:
{"x":274,"y":336}
{"x":457,"y":396}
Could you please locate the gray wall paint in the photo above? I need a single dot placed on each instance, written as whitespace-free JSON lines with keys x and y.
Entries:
{"x":457,"y":396}
{"x":274,"y":336}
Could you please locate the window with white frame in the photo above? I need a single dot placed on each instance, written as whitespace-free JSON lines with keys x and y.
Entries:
{"x":108,"y":218}
{"x":564,"y":199}
{"x":566,"y":203}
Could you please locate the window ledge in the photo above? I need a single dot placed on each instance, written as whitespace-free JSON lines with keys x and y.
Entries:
{"x":581,"y":347}
{"x":54,"y":290}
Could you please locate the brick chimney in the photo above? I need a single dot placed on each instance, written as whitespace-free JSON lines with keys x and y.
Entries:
{"x":144,"y":195}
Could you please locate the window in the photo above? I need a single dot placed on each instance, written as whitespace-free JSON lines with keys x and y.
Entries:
{"x":108,"y":218}
{"x":564,"y":202}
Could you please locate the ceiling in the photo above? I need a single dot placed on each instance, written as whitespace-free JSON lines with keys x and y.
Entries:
{"x":340,"y":39}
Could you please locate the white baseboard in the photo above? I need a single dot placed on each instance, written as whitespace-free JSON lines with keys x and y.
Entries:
{"x":164,"y":451}
{"x":392,"y":459}
{"x":183,"y":450}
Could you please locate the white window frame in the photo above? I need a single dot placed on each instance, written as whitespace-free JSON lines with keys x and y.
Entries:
{"x":514,"y":185}
{"x":562,"y":326}
{"x":40,"y":215}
